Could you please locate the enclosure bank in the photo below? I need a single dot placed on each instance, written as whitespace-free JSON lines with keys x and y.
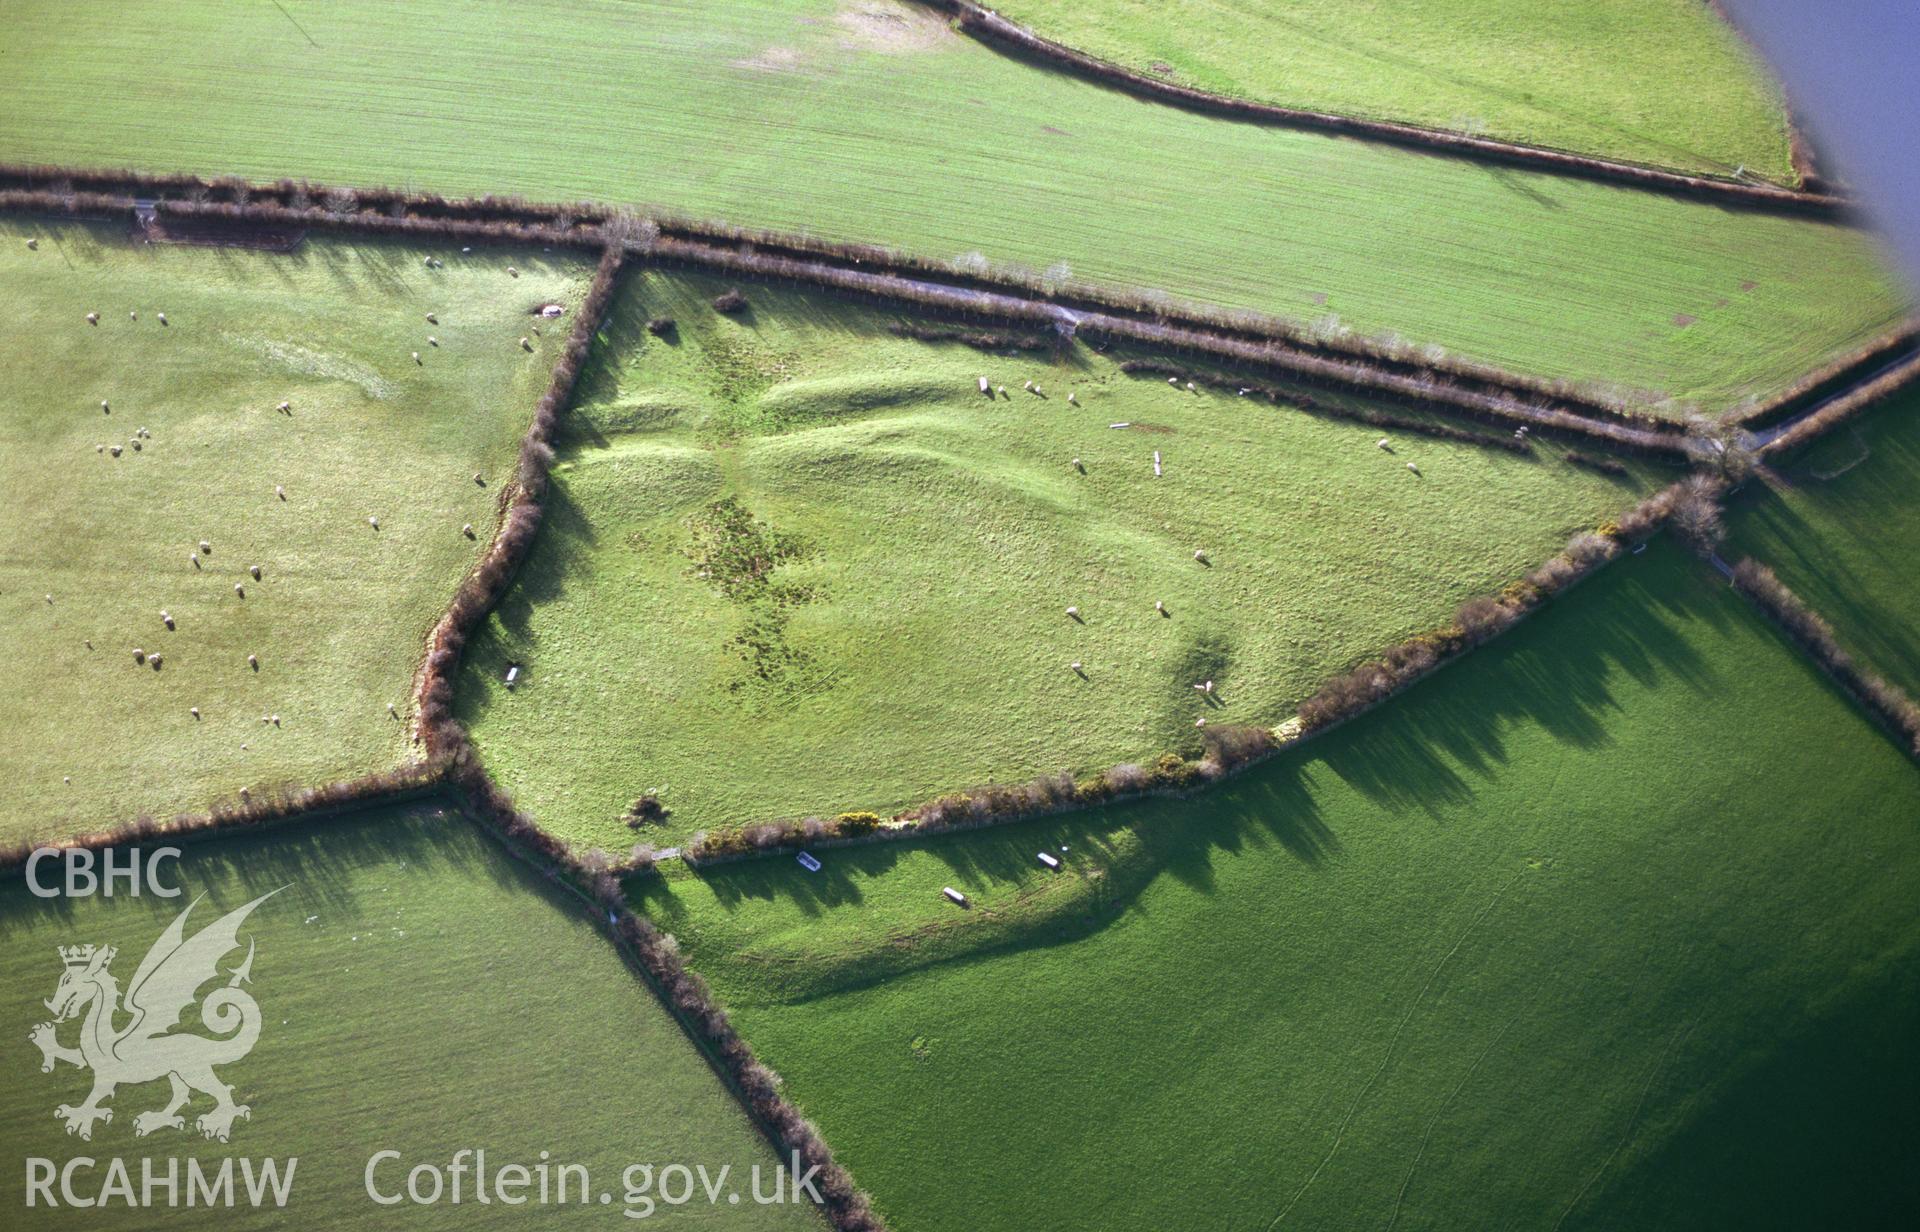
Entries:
{"x":84,"y":1181}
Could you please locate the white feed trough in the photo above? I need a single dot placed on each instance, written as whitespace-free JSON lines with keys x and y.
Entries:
{"x":808,"y":862}
{"x":954,"y":895}
{"x":1049,"y":860}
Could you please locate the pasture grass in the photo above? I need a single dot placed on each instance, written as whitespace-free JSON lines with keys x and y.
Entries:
{"x":795,"y":564}
{"x":93,"y":547}
{"x":421,"y":991}
{"x":1844,"y":532}
{"x":1660,"y":82}
{"x":1610,"y":925}
{"x":872,"y":120}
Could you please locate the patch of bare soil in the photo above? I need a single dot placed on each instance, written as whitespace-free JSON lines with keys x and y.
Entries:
{"x":889,"y":28}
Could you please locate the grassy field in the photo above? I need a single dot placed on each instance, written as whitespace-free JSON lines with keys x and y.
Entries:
{"x":869,"y":119}
{"x":97,"y":546}
{"x":1610,"y":926}
{"x":1846,"y":534}
{"x":795,"y":564}
{"x":421,"y":992}
{"x":1663,"y":82}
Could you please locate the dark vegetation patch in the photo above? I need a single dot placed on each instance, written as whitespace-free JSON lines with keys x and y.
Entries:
{"x":737,"y":554}
{"x":979,"y":339}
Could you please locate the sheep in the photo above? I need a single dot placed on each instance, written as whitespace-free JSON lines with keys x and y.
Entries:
{"x":93,"y":318}
{"x":985,"y":388}
{"x":526,"y":344}
{"x":239,"y":590}
{"x":99,"y":449}
{"x":1037,"y":393}
{"x":133,"y":316}
{"x":1027,"y":385}
{"x":1073,"y":613}
{"x":275,"y":719}
{"x":1080,"y":466}
{"x":143,"y":434}
{"x":374,"y":522}
{"x":1190,"y":388}
{"x":1160,"y":606}
{"x":1071,"y":400}
{"x":479,"y":479}
{"x":136,"y":444}
{"x":1414,"y":467}
{"x":1075,"y":665}
{"x":264,"y":720}
{"x":1001,"y":390}
{"x":1201,"y":721}
{"x":280,"y":491}
{"x":206,"y":549}
{"x":162,"y":317}
{"x":1173,"y":380}
{"x":193,"y":558}
{"x":416,"y":357}
{"x":139,"y":655}
{"x":535,"y":329}
{"x":432,"y":319}
{"x":467,"y":530}
{"x":194,"y":711}
{"x":165,"y":619}
{"x":284,"y":408}
{"x":253,"y":661}
{"x":33,"y":245}
{"x":67,"y":779}
{"x":105,"y":409}
{"x":153,"y":661}
{"x":1384,"y":444}
{"x":114,"y":450}
{"x":49,"y":600}
{"x":432,"y":341}
{"x":466,"y":251}
{"x":392,"y":711}
{"x":512,"y":272}
{"x":255,"y":571}
{"x":1200,"y":554}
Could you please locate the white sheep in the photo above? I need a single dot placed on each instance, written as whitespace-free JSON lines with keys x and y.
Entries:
{"x":162,"y":316}
{"x":104,"y":408}
{"x":984,"y":387}
{"x":1200,"y":555}
{"x":99,"y":449}
{"x":154,"y":661}
{"x":240,"y":590}
{"x":194,"y":711}
{"x":193,"y":559}
{"x":1201,"y":721}
{"x":526,"y":344}
{"x":133,"y":316}
{"x":166,"y":619}
{"x":432,"y":341}
{"x":280,"y":491}
{"x":1190,"y":388}
{"x":1073,"y":613}
{"x":512,"y":272}
{"x":139,"y":655}
{"x":255,"y":571}
{"x":33,"y":245}
{"x":1384,"y":443}
{"x":374,"y":522}
{"x":467,"y":530}
{"x":1160,"y":606}
{"x":416,"y":357}
{"x":1413,"y":467}
{"x":1075,"y":665}
{"x":391,"y":710}
{"x":1071,"y":400}
{"x":253,"y":661}
{"x":206,"y":549}
{"x":1080,"y":466}
{"x":1027,"y":385}
{"x":1173,"y":380}
{"x":479,"y":479}
{"x":432,"y":319}
{"x":114,"y":450}
{"x":284,"y":407}
{"x":93,"y":318}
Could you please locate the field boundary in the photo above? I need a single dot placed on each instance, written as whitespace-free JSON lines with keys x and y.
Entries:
{"x":998,"y":32}
{"x":1835,"y":376}
{"x":1842,"y":408}
{"x":1814,"y":635}
{"x":974,"y":289}
{"x":1339,"y":700}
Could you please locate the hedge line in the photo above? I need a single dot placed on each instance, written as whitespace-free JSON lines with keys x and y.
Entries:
{"x":1828,"y":377}
{"x":251,"y":809}
{"x":1847,"y":407}
{"x":1228,"y":749}
{"x":990,"y":27}
{"x":1811,"y":632}
{"x":289,"y":201}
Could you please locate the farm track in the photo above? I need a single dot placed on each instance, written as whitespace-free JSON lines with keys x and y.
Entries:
{"x":996,"y":31}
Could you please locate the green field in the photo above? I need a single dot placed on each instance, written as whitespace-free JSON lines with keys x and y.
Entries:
{"x":795,"y":564}
{"x":421,"y":992}
{"x":96,"y":546}
{"x":1610,"y":926}
{"x":1844,"y":533}
{"x":1662,"y":82}
{"x":869,"y":119}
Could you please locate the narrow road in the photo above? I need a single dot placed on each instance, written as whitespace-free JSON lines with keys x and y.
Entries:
{"x":1766,"y":436}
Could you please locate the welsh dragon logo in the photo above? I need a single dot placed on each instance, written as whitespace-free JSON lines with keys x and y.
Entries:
{"x":143,"y":1049}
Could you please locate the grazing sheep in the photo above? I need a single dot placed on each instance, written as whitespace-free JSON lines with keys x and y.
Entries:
{"x":255,"y":571}
{"x":1413,"y":467}
{"x":276,"y":720}
{"x":139,"y":655}
{"x":479,"y":479}
{"x":467,"y":530}
{"x":392,"y":711}
{"x":67,"y":779}
{"x":240,"y":590}
{"x":432,"y":319}
{"x":114,"y":450}
{"x":280,"y":491}
{"x":1001,"y":390}
{"x":143,"y":434}
{"x":284,"y":407}
{"x":253,"y":662}
{"x":1200,"y":555}
{"x":432,"y":341}
{"x":33,"y":245}
{"x":133,"y":316}
{"x":1071,"y":400}
{"x":49,"y":600}
{"x":416,"y":357}
{"x":104,"y":408}
{"x":206,"y":549}
{"x":136,"y":444}
{"x":154,"y":661}
{"x":535,"y":329}
{"x":512,"y":272}
{"x":374,"y":522}
{"x":162,"y":316}
{"x":1075,"y":665}
{"x":1201,"y":721}
{"x":984,"y":387}
{"x":1173,"y":380}
{"x":166,"y":619}
{"x":1073,"y":613}
{"x":194,"y":711}
{"x":1027,"y":385}
{"x":193,"y":559}
{"x":1384,"y":443}
{"x":1080,"y":466}
{"x":1160,"y":606}
{"x":465,"y":251}
{"x":264,"y":720}
{"x":526,"y":344}
{"x":93,"y":318}
{"x":99,"y":449}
